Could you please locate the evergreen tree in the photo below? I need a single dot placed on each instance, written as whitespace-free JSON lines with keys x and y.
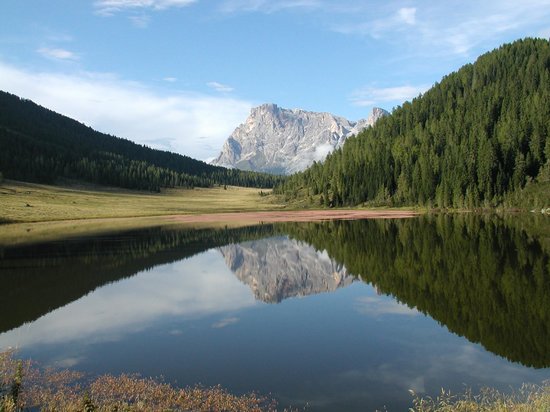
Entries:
{"x":479,"y":135}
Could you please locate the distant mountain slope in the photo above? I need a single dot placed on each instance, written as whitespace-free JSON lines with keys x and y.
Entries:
{"x":475,"y":139}
{"x":277,"y":140}
{"x":41,"y":145}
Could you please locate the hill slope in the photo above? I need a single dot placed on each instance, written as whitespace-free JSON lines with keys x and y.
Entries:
{"x":277,"y":140}
{"x":476,"y":138}
{"x":40,"y":145}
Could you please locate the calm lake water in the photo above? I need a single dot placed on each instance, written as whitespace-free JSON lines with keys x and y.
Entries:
{"x":344,"y":315}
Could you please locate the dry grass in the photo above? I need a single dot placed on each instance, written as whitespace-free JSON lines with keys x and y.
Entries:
{"x":28,"y":202}
{"x":25,"y":386}
{"x":50,"y":390}
{"x":46,"y":212}
{"x":529,"y":398}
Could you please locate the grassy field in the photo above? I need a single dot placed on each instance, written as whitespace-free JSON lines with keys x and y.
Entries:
{"x":41,"y":212}
{"x":28,"y":202}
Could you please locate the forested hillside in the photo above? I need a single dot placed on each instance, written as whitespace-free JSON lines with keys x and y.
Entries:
{"x":475,"y":139}
{"x":40,"y":145}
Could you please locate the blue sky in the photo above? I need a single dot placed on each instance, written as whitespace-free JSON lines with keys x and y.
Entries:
{"x":182,"y":74}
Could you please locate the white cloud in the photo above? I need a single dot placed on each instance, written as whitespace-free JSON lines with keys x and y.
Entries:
{"x":189,"y":123}
{"x":446,"y":28}
{"x":57,"y":54}
{"x":219,"y":87}
{"x":322,"y":151}
{"x":381,"y":306}
{"x":189,"y":289}
{"x":141,"y":21}
{"x":170,"y":79}
{"x":268,"y":6}
{"x":397,"y":21}
{"x":545,"y":33}
{"x":407,"y":15}
{"x":225,"y":322}
{"x":370,"y":96}
{"x":110,"y":7}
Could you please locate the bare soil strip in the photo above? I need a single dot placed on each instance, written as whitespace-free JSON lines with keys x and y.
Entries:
{"x":293,"y":216}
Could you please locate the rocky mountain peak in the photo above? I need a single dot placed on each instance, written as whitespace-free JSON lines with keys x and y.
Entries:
{"x":278,"y":140}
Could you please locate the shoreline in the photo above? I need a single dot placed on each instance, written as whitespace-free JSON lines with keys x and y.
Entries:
{"x":33,"y":232}
{"x":294,"y":216}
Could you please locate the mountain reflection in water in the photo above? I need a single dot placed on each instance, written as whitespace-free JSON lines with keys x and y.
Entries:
{"x":278,"y":268}
{"x":483,"y":278}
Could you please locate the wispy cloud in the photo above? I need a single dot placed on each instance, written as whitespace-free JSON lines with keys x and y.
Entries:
{"x":57,"y":54}
{"x":435,"y":28}
{"x":141,"y":21}
{"x":189,"y":123}
{"x":396,"y":21}
{"x":225,"y":322}
{"x":219,"y":87}
{"x":370,"y":96}
{"x":381,"y":306}
{"x":110,"y":7}
{"x":140,"y":302}
{"x":407,"y":15}
{"x":170,"y":79}
{"x":268,"y":6}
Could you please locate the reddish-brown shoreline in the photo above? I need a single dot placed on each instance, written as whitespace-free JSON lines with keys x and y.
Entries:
{"x":294,"y":216}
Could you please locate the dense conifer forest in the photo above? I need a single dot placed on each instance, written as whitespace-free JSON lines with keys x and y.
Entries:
{"x":477,"y":138}
{"x":39,"y":145}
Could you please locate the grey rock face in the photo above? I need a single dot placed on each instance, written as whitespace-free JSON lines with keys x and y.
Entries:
{"x":284,"y":141}
{"x":279,"y":268}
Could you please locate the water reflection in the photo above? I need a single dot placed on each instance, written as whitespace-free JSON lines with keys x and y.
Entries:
{"x":190,"y":305}
{"x":278,"y":268}
{"x":196,"y":289}
{"x":46,"y":276}
{"x":485,"y":279}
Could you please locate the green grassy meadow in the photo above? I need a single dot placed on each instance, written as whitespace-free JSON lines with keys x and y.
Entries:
{"x":35,"y":212}
{"x":29,"y":202}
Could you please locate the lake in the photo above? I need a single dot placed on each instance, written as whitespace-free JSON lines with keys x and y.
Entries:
{"x":340,"y":315}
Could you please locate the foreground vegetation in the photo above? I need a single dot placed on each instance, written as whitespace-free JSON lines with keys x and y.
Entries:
{"x":476,"y":139}
{"x":529,"y":398}
{"x":23,"y":385}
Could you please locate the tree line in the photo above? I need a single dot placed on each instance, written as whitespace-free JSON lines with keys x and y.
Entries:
{"x":40,"y":145}
{"x":473,"y":139}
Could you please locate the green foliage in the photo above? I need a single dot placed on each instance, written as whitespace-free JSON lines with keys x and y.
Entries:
{"x":476,"y":137}
{"x":11,"y":379}
{"x":39,"y":145}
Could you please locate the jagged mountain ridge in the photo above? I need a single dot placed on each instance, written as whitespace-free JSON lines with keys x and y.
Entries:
{"x":285,"y":141}
{"x":279,"y":268}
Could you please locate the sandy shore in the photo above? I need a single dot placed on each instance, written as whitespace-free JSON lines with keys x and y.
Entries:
{"x":293,"y":216}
